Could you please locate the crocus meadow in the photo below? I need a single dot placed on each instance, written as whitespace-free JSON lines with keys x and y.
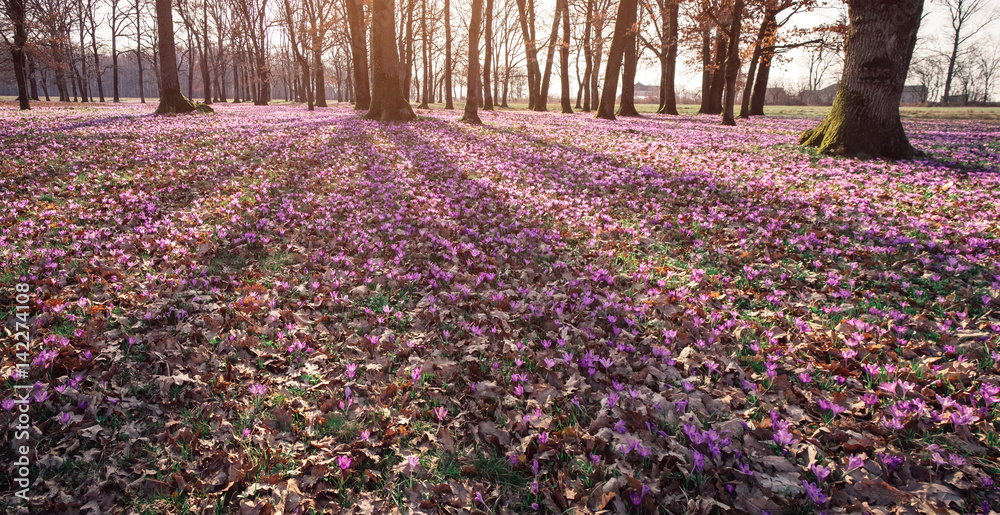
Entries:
{"x":270,"y":310}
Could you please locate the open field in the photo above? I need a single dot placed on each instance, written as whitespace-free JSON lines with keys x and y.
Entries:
{"x":265,"y":310}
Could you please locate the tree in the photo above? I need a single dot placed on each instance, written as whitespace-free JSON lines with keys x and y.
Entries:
{"x":865,"y":113}
{"x":171,"y":98}
{"x":526,"y":16}
{"x":16,"y":13}
{"x":138,"y":44}
{"x":487,"y":57}
{"x":448,"y":102}
{"x":587,"y":54}
{"x":968,"y":18}
{"x":541,"y":103}
{"x":388,"y":102}
{"x":732,"y":64}
{"x":664,"y":47}
{"x":295,"y":33}
{"x":623,"y":24}
{"x":116,"y":22}
{"x":567,"y":107}
{"x":471,"y":114}
{"x":359,"y":53}
{"x":767,"y":28}
{"x":631,"y":61}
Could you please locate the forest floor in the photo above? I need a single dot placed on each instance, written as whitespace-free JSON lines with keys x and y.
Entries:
{"x":269,"y":310}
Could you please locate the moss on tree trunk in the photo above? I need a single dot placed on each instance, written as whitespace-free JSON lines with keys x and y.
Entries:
{"x":864,"y":118}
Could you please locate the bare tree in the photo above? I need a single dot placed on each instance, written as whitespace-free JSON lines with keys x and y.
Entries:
{"x":968,"y":18}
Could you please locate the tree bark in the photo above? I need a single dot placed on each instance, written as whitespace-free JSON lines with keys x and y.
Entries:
{"x":32,"y":80}
{"x":597,"y":51}
{"x":760,"y":85}
{"x":448,"y":101}
{"x":93,"y":48}
{"x":668,"y":104}
{"x":488,"y":56}
{"x":587,"y":57}
{"x":114,"y":52}
{"x":206,"y":75}
{"x":567,"y":106}
{"x":864,"y":118}
{"x":359,"y":53}
{"x":425,"y":54}
{"x":732,"y":64}
{"x":138,"y":46}
{"x":541,"y":103}
{"x":627,"y":106}
{"x":766,"y":27}
{"x":408,"y":46}
{"x":718,"y":75}
{"x":706,"y":70}
{"x":16,"y":12}
{"x":627,"y":11}
{"x":471,"y":114}
{"x":388,"y":102}
{"x":531,"y":55}
{"x":171,"y":99}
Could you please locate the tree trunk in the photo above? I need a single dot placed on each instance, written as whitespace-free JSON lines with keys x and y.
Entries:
{"x":448,"y":101}
{"x":627,"y":106}
{"x":668,"y":103}
{"x":588,"y":59}
{"x":597,"y":51}
{"x":16,"y":11}
{"x":388,"y":102}
{"x":171,"y":98}
{"x":237,"y":94}
{"x":952,"y":59}
{"x":319,"y":76}
{"x":488,"y":56}
{"x":408,"y":46}
{"x":627,"y":11}
{"x":567,"y":106}
{"x":45,"y":87}
{"x":766,"y":27}
{"x":114,"y":66}
{"x":864,"y":118}
{"x":471,"y":114}
{"x":33,"y":81}
{"x":359,"y":53}
{"x":425,"y":98}
{"x":760,"y":85}
{"x":732,"y":64}
{"x":541,"y":103}
{"x":718,"y":75}
{"x":138,"y":46}
{"x":531,"y":53}
{"x":97,"y":58}
{"x":206,"y":75}
{"x":706,"y":70}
